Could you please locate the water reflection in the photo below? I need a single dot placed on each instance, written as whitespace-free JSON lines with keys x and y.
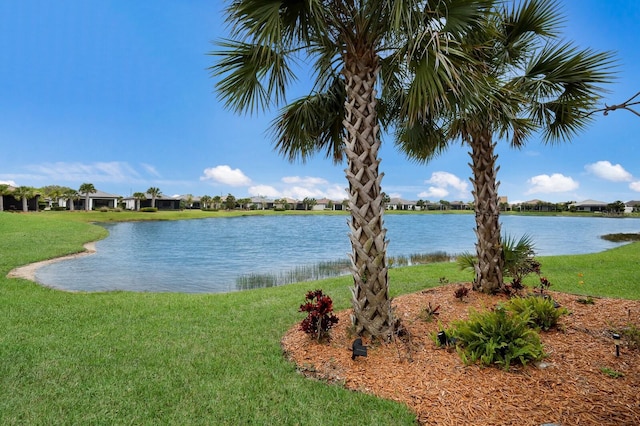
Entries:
{"x":208,"y":255}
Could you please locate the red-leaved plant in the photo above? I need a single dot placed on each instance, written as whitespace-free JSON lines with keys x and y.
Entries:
{"x":320,"y":319}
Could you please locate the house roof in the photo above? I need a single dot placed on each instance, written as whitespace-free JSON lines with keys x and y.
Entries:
{"x":161,"y":197}
{"x":400,"y":201}
{"x":590,"y":203}
{"x":99,"y":194}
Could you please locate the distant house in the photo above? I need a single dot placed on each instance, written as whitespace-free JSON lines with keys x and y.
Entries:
{"x":400,"y":204}
{"x":97,"y":200}
{"x":327,"y":204}
{"x":191,"y":202}
{"x":459,"y":205}
{"x":589,"y":206}
{"x":631,"y":206}
{"x":261,"y":203}
{"x":9,"y":202}
{"x":162,"y":202}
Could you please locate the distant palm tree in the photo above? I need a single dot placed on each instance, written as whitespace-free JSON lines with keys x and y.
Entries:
{"x":139,"y":196}
{"x":217,"y":201}
{"x":527,"y":80}
{"x":189,"y":200}
{"x":4,"y":190}
{"x":309,"y":202}
{"x":70,"y":195}
{"x":24,"y":193}
{"x":230,"y":202}
{"x":87,"y":189}
{"x":155,"y":193}
{"x":204,"y":201}
{"x":355,"y":49}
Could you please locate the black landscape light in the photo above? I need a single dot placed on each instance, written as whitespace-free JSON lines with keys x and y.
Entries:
{"x":442,"y":338}
{"x":616,"y":340}
{"x":358,"y":349}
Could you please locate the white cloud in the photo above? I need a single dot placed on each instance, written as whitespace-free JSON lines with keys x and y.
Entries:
{"x":226,"y":175}
{"x":336,"y":192}
{"x":304,"y":181}
{"x":114,"y":172}
{"x":635,"y":186}
{"x":445,"y":179}
{"x":150,"y":169}
{"x":263,"y":191}
{"x":9,"y":182}
{"x":300,"y":188}
{"x":557,"y":182}
{"x":434,"y":194}
{"x":608,"y":171}
{"x":301,"y":192}
{"x":441,"y":183}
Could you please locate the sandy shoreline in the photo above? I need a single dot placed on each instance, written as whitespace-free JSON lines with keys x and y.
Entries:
{"x":28,"y":272}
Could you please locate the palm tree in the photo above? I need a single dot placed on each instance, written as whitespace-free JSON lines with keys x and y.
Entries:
{"x":24,"y":193}
{"x":189,"y":201}
{"x":155,"y":193}
{"x":70,"y":195}
{"x":309,"y":202}
{"x":87,"y":189}
{"x":139,"y":197}
{"x":4,"y":190}
{"x":230,"y":202}
{"x":527,"y":81}
{"x":204,"y":201}
{"x":217,"y":201}
{"x":357,"y":48}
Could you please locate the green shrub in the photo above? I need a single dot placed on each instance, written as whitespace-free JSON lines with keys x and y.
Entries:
{"x":496,"y":337}
{"x":631,"y":335}
{"x":542,"y":312}
{"x":149,"y":209}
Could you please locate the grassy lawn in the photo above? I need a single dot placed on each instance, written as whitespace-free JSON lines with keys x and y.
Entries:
{"x":146,"y":358}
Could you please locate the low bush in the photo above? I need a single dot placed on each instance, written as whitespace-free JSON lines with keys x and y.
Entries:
{"x":496,"y":337}
{"x":631,"y":336}
{"x":428,"y":313}
{"x":542,"y":312}
{"x":320,"y":318}
{"x":149,"y":209}
{"x":461,"y":292}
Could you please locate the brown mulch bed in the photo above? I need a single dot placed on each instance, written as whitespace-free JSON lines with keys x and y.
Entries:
{"x":568,"y":388}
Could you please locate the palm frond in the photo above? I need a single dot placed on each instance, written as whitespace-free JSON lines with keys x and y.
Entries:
{"x":312,"y":124}
{"x":564,"y":83}
{"x":274,"y":21}
{"x":533,"y":17}
{"x":423,"y":140}
{"x":252,"y":77}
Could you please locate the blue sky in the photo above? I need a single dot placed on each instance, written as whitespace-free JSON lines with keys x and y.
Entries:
{"x":117,"y":93}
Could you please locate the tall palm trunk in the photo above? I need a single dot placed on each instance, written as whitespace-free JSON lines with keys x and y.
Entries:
{"x":372,"y":308}
{"x":485,"y":195}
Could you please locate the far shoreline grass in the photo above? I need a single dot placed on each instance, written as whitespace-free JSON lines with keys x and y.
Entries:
{"x":171,"y":358}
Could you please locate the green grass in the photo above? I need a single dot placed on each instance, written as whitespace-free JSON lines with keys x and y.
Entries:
{"x":146,"y":358}
{"x":612,"y":273}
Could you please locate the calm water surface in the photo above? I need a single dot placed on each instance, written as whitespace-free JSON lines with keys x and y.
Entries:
{"x":207,"y":255}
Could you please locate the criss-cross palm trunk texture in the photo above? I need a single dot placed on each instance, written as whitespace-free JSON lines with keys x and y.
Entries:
{"x":490,"y":263}
{"x":372,"y":310}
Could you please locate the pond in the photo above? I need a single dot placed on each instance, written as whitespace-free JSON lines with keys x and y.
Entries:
{"x":212,"y":255}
